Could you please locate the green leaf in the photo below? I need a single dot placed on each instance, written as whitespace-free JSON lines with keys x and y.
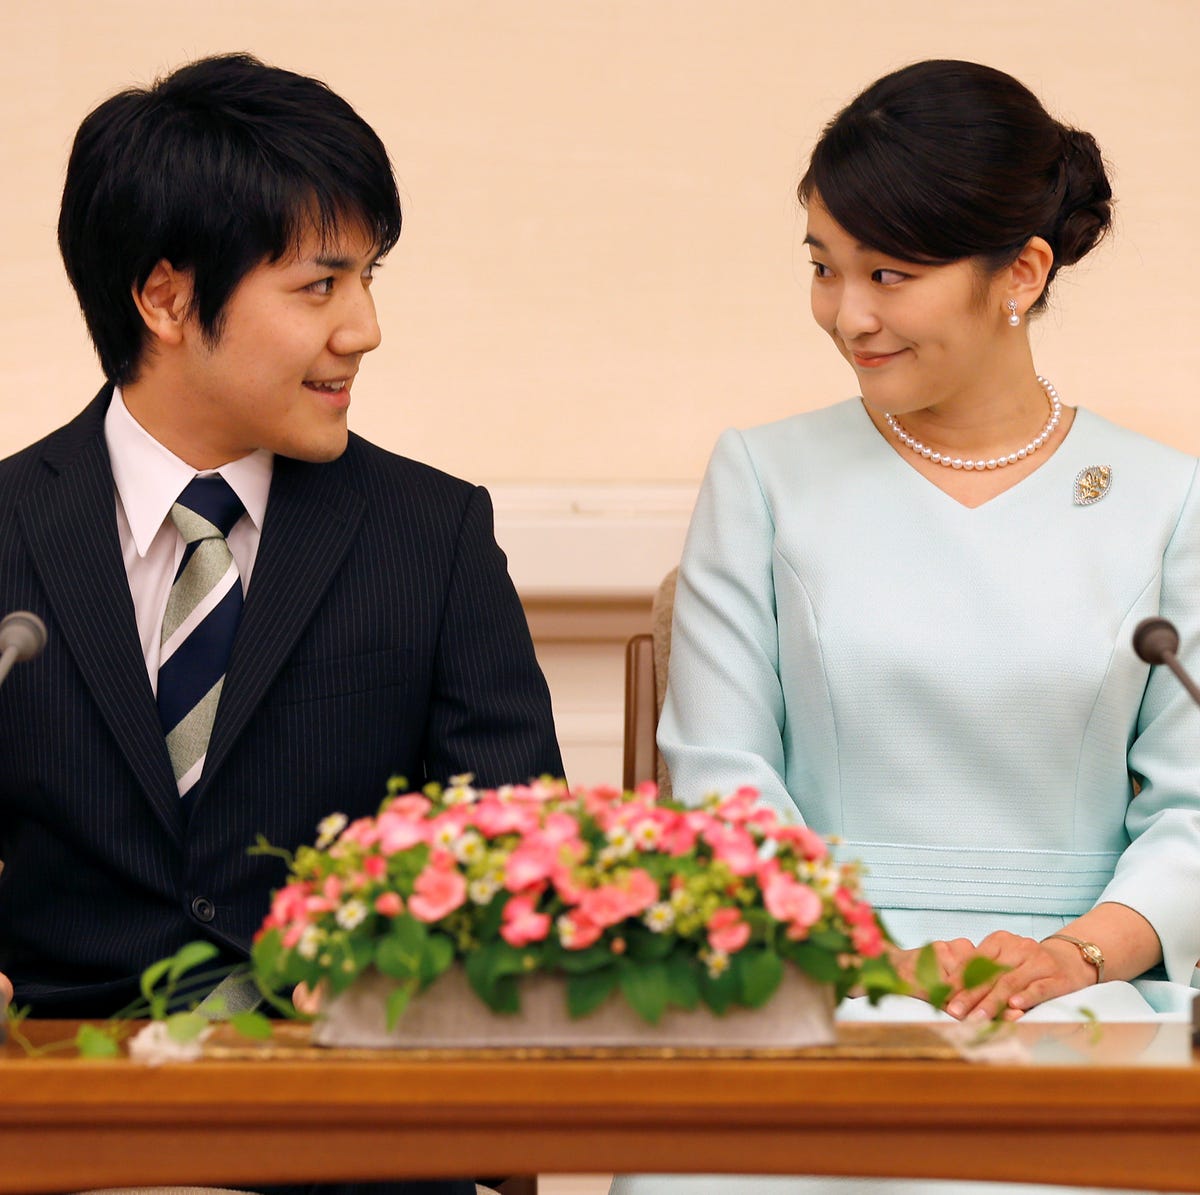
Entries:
{"x":186,"y":1026}
{"x":397,"y":1002}
{"x":646,"y":946}
{"x":761,"y":974}
{"x":190,"y":955}
{"x":575,"y":962}
{"x":435,"y":958}
{"x":492,"y":971}
{"x":683,"y":980}
{"x":646,"y":988}
{"x":821,"y":965}
{"x":981,"y":970}
{"x":150,"y":978}
{"x":938,"y":994}
{"x":266,"y":955}
{"x":831,"y":941}
{"x":399,"y":954}
{"x":587,"y":991}
{"x":719,"y":992}
{"x":94,"y":1042}
{"x":928,"y":973}
{"x":879,"y":978}
{"x":252,"y":1024}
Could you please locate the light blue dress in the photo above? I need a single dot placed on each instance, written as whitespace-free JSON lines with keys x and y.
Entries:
{"x":952,"y":691}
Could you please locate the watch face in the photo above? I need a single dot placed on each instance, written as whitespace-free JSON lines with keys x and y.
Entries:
{"x":1092,"y":953}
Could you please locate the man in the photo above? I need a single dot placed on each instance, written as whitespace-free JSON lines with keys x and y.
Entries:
{"x":340,"y":614}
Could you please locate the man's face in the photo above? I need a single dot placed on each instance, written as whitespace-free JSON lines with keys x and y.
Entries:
{"x":292,"y":336}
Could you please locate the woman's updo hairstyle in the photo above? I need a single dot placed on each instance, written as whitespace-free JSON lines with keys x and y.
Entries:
{"x":945,"y":160}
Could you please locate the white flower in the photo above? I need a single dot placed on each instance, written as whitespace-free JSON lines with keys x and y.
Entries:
{"x":620,"y":842}
{"x":717,"y":962}
{"x":351,"y":915}
{"x":659,"y":918}
{"x":646,"y":834}
{"x":468,"y":847}
{"x":483,"y":889}
{"x":154,"y":1045}
{"x":566,"y":930}
{"x":460,"y":791}
{"x":445,"y":836}
{"x":310,"y":942}
{"x":328,"y":828}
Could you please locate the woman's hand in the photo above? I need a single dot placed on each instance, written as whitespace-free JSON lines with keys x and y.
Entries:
{"x":1035,"y":971}
{"x":950,"y":957}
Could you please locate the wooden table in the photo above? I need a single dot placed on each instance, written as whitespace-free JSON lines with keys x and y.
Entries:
{"x":291,"y":1113}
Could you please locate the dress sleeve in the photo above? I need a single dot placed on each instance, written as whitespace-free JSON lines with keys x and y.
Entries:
{"x":723,"y":717}
{"x":1158,"y":875}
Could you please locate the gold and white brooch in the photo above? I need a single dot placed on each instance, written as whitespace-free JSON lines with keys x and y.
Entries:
{"x":1092,"y":484}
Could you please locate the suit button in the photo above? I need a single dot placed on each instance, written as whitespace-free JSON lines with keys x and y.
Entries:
{"x":203,"y":909}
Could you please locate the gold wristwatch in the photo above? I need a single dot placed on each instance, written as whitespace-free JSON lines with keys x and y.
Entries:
{"x":1090,"y":951}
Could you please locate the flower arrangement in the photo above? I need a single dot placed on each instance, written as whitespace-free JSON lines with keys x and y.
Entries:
{"x":672,"y":906}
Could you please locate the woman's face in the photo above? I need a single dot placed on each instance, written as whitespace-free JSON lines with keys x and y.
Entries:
{"x":917,"y":336}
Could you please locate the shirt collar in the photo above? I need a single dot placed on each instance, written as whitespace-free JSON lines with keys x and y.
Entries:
{"x":149,"y":477}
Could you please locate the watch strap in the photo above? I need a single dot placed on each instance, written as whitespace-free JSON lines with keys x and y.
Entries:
{"x":1091,"y":952}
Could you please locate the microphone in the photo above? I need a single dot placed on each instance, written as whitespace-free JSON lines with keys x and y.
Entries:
{"x":22,"y":636}
{"x":1156,"y":641}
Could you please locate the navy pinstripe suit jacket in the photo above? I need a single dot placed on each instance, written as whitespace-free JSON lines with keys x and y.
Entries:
{"x":381,"y":635}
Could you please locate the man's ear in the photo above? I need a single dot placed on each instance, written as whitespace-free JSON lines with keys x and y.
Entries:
{"x":164,"y":302}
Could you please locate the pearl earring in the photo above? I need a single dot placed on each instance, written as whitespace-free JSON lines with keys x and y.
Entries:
{"x":1013,"y":318}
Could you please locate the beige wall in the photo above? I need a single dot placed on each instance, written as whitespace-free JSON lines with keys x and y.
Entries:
{"x":600,"y":267}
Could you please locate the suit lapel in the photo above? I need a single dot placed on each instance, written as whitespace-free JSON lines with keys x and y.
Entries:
{"x":70,"y":530}
{"x":312,"y":519}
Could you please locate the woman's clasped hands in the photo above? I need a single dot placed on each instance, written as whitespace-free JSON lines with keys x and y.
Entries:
{"x":1024,"y":973}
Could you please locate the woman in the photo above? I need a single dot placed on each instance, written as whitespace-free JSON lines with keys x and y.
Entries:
{"x":906,"y":618}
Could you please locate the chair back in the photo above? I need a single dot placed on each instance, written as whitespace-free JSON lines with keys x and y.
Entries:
{"x":646,"y":658}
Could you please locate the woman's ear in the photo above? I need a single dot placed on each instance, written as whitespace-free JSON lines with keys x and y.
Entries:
{"x":164,"y":302}
{"x":1026,"y":277}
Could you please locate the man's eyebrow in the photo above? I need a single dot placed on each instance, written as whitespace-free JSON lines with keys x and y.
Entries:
{"x":329,"y":262}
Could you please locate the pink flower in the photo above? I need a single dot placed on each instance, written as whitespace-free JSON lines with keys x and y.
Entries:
{"x":364,"y":832}
{"x":438,"y":890}
{"x":641,"y":891}
{"x":375,"y":867}
{"x":733,"y":847}
{"x":678,"y":835}
{"x":532,"y":862}
{"x":812,"y":846}
{"x":604,"y":906}
{"x":389,"y":904}
{"x":867,"y":939}
{"x":412,"y":806}
{"x":522,"y":924}
{"x":398,"y":832}
{"x":790,"y":901}
{"x":492,"y":817}
{"x":727,"y":931}
{"x":576,"y":931}
{"x":738,"y":807}
{"x":856,"y":912}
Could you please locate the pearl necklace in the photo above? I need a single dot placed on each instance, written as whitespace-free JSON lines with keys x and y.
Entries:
{"x":999,"y":462}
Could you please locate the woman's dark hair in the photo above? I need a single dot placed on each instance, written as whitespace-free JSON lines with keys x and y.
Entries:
{"x":219,"y":166}
{"x":945,"y":160}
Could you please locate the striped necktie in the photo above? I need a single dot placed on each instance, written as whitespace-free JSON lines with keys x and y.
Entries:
{"x":200,"y":622}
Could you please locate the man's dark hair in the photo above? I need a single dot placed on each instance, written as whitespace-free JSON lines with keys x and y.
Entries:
{"x":221,"y":165}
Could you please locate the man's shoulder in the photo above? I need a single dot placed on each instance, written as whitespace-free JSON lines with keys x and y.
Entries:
{"x":29,"y":466}
{"x":377,"y":472}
